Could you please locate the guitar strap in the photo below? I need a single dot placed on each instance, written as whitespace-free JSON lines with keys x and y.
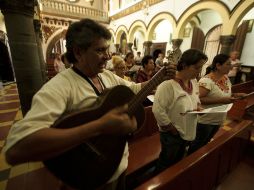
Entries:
{"x":89,"y":81}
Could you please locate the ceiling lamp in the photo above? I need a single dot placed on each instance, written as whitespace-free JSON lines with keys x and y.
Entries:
{"x":90,"y":1}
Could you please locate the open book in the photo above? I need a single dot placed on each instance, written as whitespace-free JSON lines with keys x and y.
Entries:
{"x":218,"y":109}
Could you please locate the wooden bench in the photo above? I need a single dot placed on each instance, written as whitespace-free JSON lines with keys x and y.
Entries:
{"x":246,"y":87}
{"x":144,"y":149}
{"x":148,"y":128}
{"x":205,"y":168}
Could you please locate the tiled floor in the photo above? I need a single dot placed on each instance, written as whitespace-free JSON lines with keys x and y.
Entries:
{"x":28,"y":176}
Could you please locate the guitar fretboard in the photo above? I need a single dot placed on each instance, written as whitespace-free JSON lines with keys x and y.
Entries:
{"x":146,"y":90}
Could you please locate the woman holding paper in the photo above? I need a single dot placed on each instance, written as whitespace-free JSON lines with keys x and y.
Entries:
{"x":215,"y":90}
{"x":173,"y":98}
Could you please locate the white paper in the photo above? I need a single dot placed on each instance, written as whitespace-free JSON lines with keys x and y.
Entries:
{"x":248,"y":94}
{"x":218,"y":109}
{"x":151,"y":98}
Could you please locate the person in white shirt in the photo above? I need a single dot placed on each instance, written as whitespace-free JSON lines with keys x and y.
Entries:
{"x":236,"y":64}
{"x":138,"y":58}
{"x":159,"y":60}
{"x":173,"y":98}
{"x":215,"y":90}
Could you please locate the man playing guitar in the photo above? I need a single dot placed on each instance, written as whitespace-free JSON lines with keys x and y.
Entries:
{"x":34,"y":139}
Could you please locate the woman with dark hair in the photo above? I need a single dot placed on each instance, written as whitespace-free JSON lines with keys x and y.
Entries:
{"x":131,"y":67}
{"x":215,"y":90}
{"x":129,"y":60}
{"x":173,"y":98}
{"x":147,"y":71}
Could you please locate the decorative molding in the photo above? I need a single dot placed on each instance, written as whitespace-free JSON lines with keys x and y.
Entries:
{"x":137,"y":7}
{"x":56,"y":21}
{"x":68,"y":10}
{"x":48,"y":31}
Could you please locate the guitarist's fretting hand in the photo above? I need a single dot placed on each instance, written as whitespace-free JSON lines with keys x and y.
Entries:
{"x":170,"y":71}
{"x":118,"y":122}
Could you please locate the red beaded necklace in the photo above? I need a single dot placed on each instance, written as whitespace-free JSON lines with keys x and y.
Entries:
{"x":188,"y":88}
{"x":221,"y":83}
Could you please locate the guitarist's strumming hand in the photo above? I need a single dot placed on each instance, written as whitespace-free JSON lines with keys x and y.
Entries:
{"x":118,"y":122}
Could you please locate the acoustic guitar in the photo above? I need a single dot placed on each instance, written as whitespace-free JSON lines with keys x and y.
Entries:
{"x":92,"y":164}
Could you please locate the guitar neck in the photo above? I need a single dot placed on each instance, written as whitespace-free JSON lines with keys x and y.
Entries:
{"x":146,"y":90}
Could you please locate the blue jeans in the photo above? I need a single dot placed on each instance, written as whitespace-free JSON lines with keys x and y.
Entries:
{"x":204,"y":134}
{"x":172,"y":150}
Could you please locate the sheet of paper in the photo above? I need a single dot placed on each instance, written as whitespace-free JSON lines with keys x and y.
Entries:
{"x":151,"y":98}
{"x":217,"y":109}
{"x":249,"y":94}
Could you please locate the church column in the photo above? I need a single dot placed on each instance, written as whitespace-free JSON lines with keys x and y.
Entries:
{"x":147,"y":46}
{"x":226,"y":43}
{"x":18,"y":16}
{"x":117,"y":47}
{"x":129,"y":46}
{"x":38,"y":35}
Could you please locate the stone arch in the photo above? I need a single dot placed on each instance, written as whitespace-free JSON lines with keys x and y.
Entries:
{"x":156,"y":20}
{"x":138,"y":24}
{"x":217,"y":6}
{"x":53,"y":41}
{"x":120,"y":30}
{"x":237,"y":15}
{"x":112,"y":34}
{"x":195,"y":21}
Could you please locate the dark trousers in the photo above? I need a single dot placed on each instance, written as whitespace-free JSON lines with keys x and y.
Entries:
{"x":172,"y":150}
{"x":118,"y":184}
{"x":205,"y":133}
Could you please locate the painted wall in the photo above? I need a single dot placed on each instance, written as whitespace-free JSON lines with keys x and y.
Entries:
{"x":209,"y":15}
{"x":247,"y":56}
{"x":231,"y":3}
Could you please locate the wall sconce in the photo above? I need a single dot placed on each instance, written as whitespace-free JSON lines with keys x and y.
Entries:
{"x":90,"y":1}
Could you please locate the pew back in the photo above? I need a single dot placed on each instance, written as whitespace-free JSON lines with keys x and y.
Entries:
{"x":205,"y":168}
{"x":245,"y":87}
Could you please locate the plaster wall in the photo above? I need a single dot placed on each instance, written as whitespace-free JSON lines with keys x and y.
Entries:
{"x":209,"y":19}
{"x":231,"y":3}
{"x":247,"y":56}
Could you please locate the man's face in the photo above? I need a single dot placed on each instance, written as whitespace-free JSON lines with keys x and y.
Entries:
{"x":93,"y":60}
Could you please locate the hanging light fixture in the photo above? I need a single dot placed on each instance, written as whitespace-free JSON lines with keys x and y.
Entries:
{"x":90,"y":1}
{"x":145,"y":8}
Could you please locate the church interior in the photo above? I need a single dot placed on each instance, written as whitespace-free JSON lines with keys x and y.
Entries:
{"x":32,"y":34}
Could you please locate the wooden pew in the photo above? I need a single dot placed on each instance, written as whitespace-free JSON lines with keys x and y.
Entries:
{"x":148,"y":128}
{"x":205,"y":168}
{"x":144,"y":148}
{"x":246,"y":87}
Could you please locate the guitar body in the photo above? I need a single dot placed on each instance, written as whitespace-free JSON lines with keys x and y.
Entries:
{"x":92,"y":164}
